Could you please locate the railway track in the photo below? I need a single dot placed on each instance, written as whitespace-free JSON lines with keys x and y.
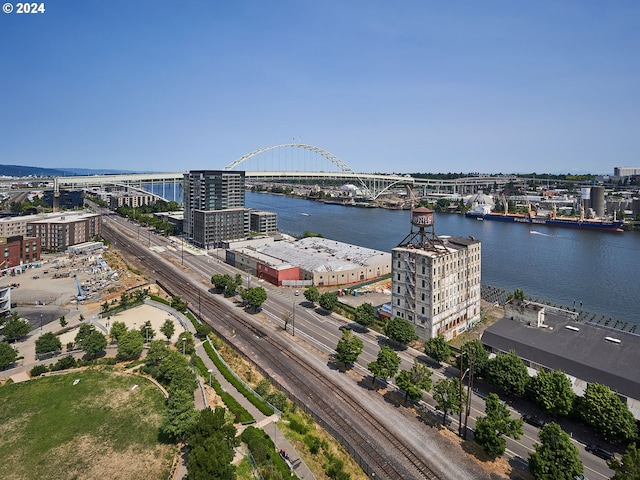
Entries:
{"x":374,"y":445}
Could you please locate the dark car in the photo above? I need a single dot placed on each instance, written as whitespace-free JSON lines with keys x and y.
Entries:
{"x":535,"y":421}
{"x":598,"y":451}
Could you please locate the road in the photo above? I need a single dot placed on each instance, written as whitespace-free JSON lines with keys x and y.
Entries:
{"x":322,"y":332}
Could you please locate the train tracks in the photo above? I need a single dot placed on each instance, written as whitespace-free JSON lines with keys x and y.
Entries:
{"x":374,"y":445}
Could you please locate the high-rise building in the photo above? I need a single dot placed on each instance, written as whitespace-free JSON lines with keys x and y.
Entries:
{"x":214,"y":207}
{"x":435,"y":280}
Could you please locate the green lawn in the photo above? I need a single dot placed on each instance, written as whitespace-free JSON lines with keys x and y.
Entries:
{"x":98,"y":428}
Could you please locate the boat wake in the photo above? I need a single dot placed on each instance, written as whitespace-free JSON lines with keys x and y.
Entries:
{"x":305,"y":214}
{"x":535,"y":232}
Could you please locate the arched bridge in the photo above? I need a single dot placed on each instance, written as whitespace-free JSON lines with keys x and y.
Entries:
{"x":294,"y":162}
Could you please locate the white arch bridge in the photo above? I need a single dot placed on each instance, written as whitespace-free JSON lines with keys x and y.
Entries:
{"x":292,"y":162}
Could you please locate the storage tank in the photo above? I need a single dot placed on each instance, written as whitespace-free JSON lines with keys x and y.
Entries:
{"x":597,"y":200}
{"x":585,"y":199}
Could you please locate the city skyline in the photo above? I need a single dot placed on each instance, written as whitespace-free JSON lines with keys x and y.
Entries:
{"x":497,"y":87}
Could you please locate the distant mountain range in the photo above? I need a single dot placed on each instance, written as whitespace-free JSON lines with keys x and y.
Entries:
{"x":24,"y":171}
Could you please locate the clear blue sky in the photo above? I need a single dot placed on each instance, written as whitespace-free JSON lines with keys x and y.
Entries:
{"x":411,"y":86}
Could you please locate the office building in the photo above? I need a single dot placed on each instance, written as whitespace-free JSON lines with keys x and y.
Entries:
{"x":436,"y":280}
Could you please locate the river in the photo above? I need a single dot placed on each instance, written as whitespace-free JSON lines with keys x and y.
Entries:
{"x":559,"y":265}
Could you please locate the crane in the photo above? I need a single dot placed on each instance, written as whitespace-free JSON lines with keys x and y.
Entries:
{"x":80,"y":296}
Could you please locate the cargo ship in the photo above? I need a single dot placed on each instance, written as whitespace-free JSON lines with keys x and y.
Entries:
{"x":551,"y":220}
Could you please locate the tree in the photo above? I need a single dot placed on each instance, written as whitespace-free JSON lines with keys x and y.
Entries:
{"x":118,"y":329}
{"x":473,"y":349}
{"x":124,"y":300}
{"x":185,"y":343}
{"x":365,"y":315}
{"x":628,"y":467}
{"x":8,"y":355}
{"x":178,"y":304}
{"x":311,"y":294}
{"x":130,"y":344}
{"x":63,"y":321}
{"x":553,"y":392}
{"x":168,"y":328}
{"x":556,"y":457}
{"x":232,"y":285}
{"x":48,"y":342}
{"x":84,"y":331}
{"x":437,"y":348}
{"x":349,"y":348}
{"x":180,"y":414}
{"x":509,"y":373}
{"x":518,"y":294}
{"x":446,"y":393}
{"x":156,"y":353}
{"x":400,"y":330}
{"x":386,"y":365}
{"x":147,"y":331}
{"x":93,"y":343}
{"x":415,"y":381}
{"x":15,"y":327}
{"x":255,"y":297}
{"x":602,"y":410}
{"x":220,"y":281}
{"x":491,"y":428}
{"x":328,"y":301}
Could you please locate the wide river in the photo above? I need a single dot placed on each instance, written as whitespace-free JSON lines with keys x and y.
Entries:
{"x":559,"y":265}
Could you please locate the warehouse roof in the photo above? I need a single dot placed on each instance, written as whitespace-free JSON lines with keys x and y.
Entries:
{"x":324,"y":255}
{"x":593,"y":353}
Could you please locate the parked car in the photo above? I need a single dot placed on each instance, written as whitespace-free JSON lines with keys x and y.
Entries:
{"x":533,"y":420}
{"x":598,"y":451}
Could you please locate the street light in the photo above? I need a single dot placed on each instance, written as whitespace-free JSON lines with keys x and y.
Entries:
{"x":210,"y":371}
{"x":146,"y":328}
{"x":184,"y":342}
{"x":275,"y":432}
{"x":293,"y":320}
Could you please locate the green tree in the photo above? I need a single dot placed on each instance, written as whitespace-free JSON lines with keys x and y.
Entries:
{"x":447,"y":394}
{"x":125,"y":298}
{"x":414,"y":382}
{"x":147,"y":331}
{"x":178,"y":304}
{"x":255,"y":297}
{"x":156,"y":353}
{"x":219,"y":281}
{"x":491,"y":428}
{"x":628,"y":467}
{"x":517,"y":295}
{"x":365,"y":315}
{"x":84,"y":331}
{"x":130,"y":344}
{"x":232,"y":285}
{"x":473,"y":349}
{"x":93,"y":343}
{"x":509,"y":373}
{"x":8,"y":355}
{"x":118,"y":329}
{"x":386,"y":365}
{"x":437,"y":348}
{"x":63,"y":321}
{"x":15,"y":327}
{"x":555,"y":457}
{"x":400,"y":330}
{"x":602,"y":410}
{"x":328,"y":301}
{"x":168,"y":328}
{"x":311,"y":294}
{"x":172,"y":366}
{"x":553,"y":392}
{"x":48,"y":342}
{"x":185,"y":343}
{"x":180,"y":414}
{"x":349,"y":348}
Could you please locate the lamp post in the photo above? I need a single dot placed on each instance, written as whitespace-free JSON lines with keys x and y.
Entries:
{"x":469,"y":387}
{"x":146,"y":330}
{"x":210,"y":371}
{"x":40,"y":324}
{"x":184,"y":343}
{"x":462,"y":375}
{"x":293,"y":320}
{"x":275,"y":432}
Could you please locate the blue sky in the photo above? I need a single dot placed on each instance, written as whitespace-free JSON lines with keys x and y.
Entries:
{"x":412,"y":86}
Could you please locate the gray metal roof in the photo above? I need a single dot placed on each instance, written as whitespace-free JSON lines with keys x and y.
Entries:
{"x":584,"y":353}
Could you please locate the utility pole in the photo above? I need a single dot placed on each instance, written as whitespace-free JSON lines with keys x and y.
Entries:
{"x":460,"y":397}
{"x":469,"y":390}
{"x":293,"y":320}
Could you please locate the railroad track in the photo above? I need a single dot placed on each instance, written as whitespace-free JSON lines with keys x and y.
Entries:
{"x":382,"y":454}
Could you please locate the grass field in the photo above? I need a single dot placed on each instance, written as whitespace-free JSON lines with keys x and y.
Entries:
{"x":101,"y":427}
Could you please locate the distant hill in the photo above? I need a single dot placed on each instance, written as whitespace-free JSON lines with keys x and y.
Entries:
{"x":24,"y":171}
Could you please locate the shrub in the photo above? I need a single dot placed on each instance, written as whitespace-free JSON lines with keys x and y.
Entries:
{"x":298,"y":427}
{"x":313,"y":444}
{"x":65,"y":363}
{"x":263,"y":387}
{"x":38,"y":370}
{"x":277,"y":399}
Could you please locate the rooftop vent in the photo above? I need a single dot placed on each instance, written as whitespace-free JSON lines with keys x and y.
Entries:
{"x":571,"y":327}
{"x":612,"y":340}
